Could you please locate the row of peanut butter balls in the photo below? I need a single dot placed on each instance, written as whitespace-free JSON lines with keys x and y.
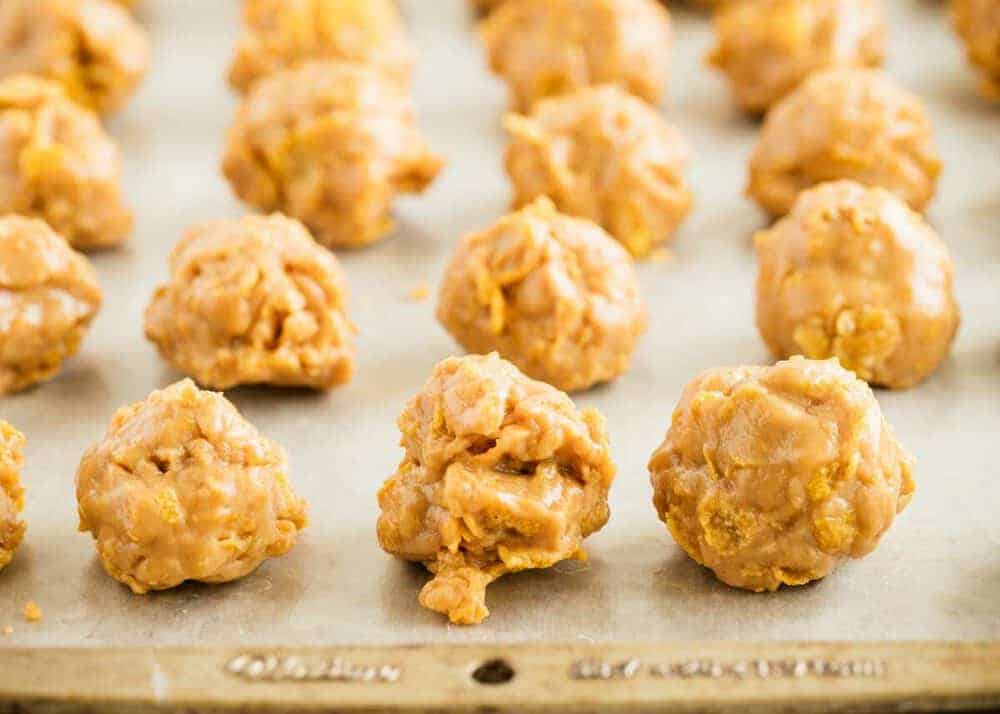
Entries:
{"x":768,"y":476}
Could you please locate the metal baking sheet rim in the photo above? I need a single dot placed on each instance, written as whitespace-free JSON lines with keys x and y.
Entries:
{"x":914,"y":627}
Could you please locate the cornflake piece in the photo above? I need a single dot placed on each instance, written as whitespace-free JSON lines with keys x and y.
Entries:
{"x":32,"y":613}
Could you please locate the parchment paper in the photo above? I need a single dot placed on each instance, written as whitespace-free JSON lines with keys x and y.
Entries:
{"x":936,"y":574}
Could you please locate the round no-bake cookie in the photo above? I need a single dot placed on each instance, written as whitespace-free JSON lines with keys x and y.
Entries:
{"x":255,"y":301}
{"x":854,"y":273}
{"x":58,"y":164}
{"x":332,"y":144}
{"x":49,"y":295}
{"x":845,"y":124}
{"x":501,"y":474}
{"x":283,"y":33}
{"x":542,"y":49}
{"x":767,"y":47}
{"x":978,"y":24}
{"x":94,"y":48}
{"x":182,"y":487}
{"x":11,"y":492}
{"x":555,"y":295}
{"x":772,"y":476}
{"x":601,"y":154}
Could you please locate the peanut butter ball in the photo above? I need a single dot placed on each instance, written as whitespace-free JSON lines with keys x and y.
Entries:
{"x":332,"y":144}
{"x":182,"y":487}
{"x":255,"y":301}
{"x":854,"y":273}
{"x":283,"y":33}
{"x":11,"y":493}
{"x":49,"y":295}
{"x":94,"y":48}
{"x":601,"y":154}
{"x":771,"y":476}
{"x":767,"y":47}
{"x":501,"y":474}
{"x":845,"y":124}
{"x":542,"y":49}
{"x":58,"y":164}
{"x":978,"y":24}
{"x":555,"y":295}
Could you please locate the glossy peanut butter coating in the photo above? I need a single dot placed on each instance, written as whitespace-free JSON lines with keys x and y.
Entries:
{"x":182,"y":487}
{"x":279,"y":34}
{"x":49,"y":295}
{"x":767,"y":47}
{"x":94,"y":48}
{"x":254,"y":301}
{"x":854,"y":273}
{"x":602,"y":154}
{"x":772,"y":476}
{"x":978,"y":24}
{"x":332,"y":144}
{"x":11,"y":492}
{"x":542,"y":49}
{"x":845,"y":124}
{"x":58,"y":164}
{"x":555,"y":295}
{"x":501,"y":474}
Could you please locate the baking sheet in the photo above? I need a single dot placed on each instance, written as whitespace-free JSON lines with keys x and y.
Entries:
{"x":936,"y":574}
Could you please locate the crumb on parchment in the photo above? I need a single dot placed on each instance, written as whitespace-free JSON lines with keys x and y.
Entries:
{"x":32,"y":613}
{"x":419,"y":293}
{"x":8,"y":630}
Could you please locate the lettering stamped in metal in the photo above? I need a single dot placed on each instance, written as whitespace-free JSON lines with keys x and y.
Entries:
{"x":295,"y":668}
{"x":793,"y":668}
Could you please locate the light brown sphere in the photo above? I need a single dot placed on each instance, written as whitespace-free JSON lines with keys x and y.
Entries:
{"x":601,"y":154}
{"x":11,"y":492}
{"x":279,"y":34}
{"x":772,"y":476}
{"x":331,"y":144}
{"x":554,"y":295}
{"x":49,"y":295}
{"x":845,"y":124}
{"x":58,"y":164}
{"x":182,"y":487}
{"x":542,"y":49}
{"x":255,"y":301}
{"x":767,"y":47}
{"x":501,"y":474}
{"x":978,"y":24}
{"x":854,"y":273}
{"x":94,"y":48}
